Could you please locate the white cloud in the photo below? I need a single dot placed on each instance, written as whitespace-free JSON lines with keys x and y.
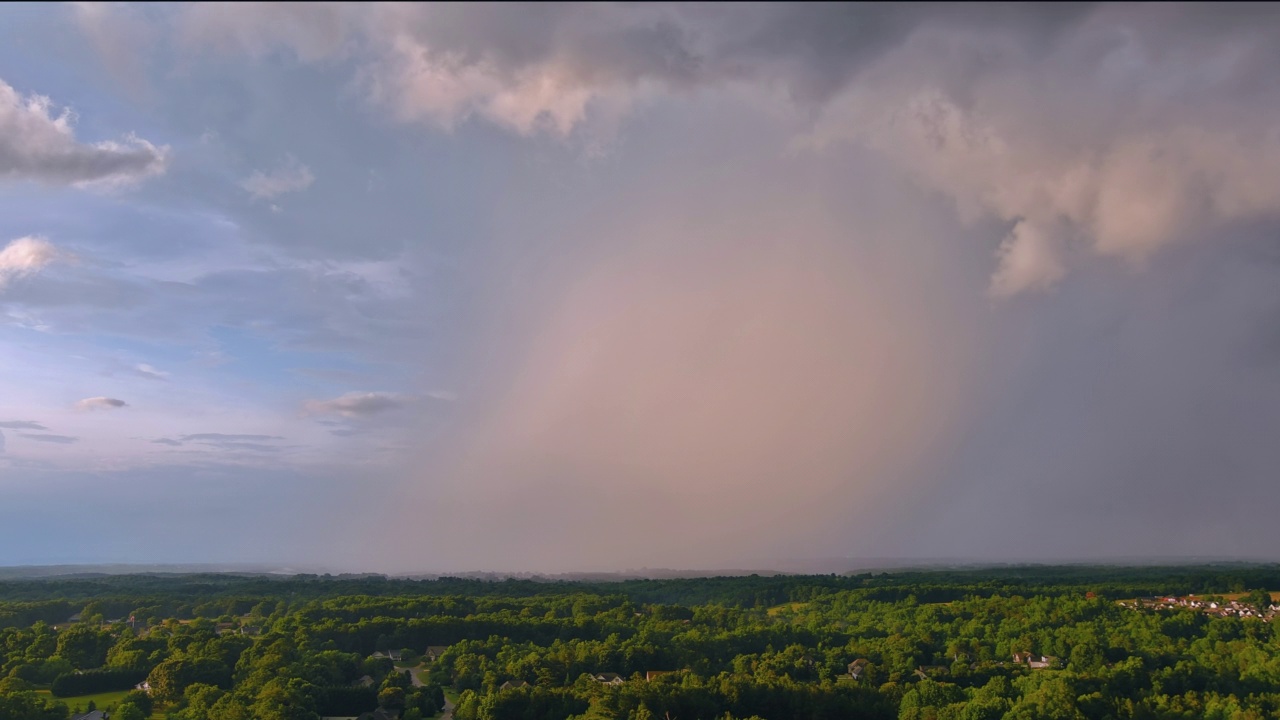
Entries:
{"x":38,"y":143}
{"x":100,"y":403}
{"x":291,"y":176}
{"x":150,"y":372}
{"x":354,"y":404}
{"x":25,"y":256}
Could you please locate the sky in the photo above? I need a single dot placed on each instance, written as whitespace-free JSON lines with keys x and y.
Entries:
{"x":586,"y":287}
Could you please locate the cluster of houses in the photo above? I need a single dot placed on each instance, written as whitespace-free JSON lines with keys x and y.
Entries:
{"x":858,"y":668}
{"x":1221,"y":608}
{"x":607,"y":678}
{"x":1033,"y":661}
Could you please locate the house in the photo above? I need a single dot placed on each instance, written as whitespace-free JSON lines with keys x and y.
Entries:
{"x":1042,"y":663}
{"x":608,"y":678}
{"x":91,"y":715}
{"x":379,"y":714}
{"x":513,"y":684}
{"x":393,"y":655}
{"x":365,"y":681}
{"x":434,"y":652}
{"x":857,"y":668}
{"x":919,"y":672}
{"x":144,"y":686}
{"x":651,"y":674}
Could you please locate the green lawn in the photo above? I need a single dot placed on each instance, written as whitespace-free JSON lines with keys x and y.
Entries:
{"x":103,"y":701}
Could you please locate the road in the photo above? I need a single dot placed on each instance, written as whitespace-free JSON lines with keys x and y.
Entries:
{"x":415,"y":678}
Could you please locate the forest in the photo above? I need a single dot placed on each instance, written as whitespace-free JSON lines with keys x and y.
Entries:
{"x":1034,"y":643}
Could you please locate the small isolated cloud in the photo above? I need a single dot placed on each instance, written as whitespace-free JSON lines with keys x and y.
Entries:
{"x":223,"y":437}
{"x":226,"y":441}
{"x":21,"y":425}
{"x":100,"y":403}
{"x":150,"y":372}
{"x":24,"y":255}
{"x":292,"y":176}
{"x":59,"y":439}
{"x":38,"y":143}
{"x":355,"y":404}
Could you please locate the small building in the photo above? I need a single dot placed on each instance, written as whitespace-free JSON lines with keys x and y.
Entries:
{"x":857,"y":668}
{"x":366,"y":681}
{"x":652,"y":674}
{"x":434,"y":652}
{"x":513,"y":684}
{"x":608,"y":678}
{"x":144,"y":686}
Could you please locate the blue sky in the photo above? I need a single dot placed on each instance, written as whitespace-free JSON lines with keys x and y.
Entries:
{"x":601,"y":286}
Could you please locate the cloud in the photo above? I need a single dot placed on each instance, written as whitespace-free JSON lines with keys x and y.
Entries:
{"x":121,"y":36}
{"x":150,"y":372}
{"x":25,"y":256}
{"x":38,"y":143}
{"x":21,"y":425}
{"x":223,"y":437}
{"x":100,"y":403}
{"x":58,"y":439}
{"x":226,"y":441}
{"x":2,"y":443}
{"x":291,"y":176}
{"x":1112,"y":140}
{"x":1084,"y":129}
{"x":354,"y":404}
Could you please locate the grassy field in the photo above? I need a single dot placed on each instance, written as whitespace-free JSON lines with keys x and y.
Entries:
{"x":103,"y":701}
{"x":791,"y":607}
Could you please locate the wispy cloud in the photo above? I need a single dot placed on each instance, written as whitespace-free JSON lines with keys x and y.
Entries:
{"x":21,"y":425}
{"x":149,"y":372}
{"x":47,"y":438}
{"x":355,"y":404}
{"x":100,"y":403}
{"x":226,"y":441}
{"x":291,"y":176}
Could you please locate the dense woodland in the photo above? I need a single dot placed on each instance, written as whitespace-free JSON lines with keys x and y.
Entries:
{"x":936,"y":644}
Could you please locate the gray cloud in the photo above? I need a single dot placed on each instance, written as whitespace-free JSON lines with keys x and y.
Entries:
{"x":21,"y":425}
{"x":226,"y":441}
{"x":100,"y":403}
{"x":58,"y":439}
{"x":291,"y":176}
{"x":223,"y":437}
{"x":38,"y":143}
